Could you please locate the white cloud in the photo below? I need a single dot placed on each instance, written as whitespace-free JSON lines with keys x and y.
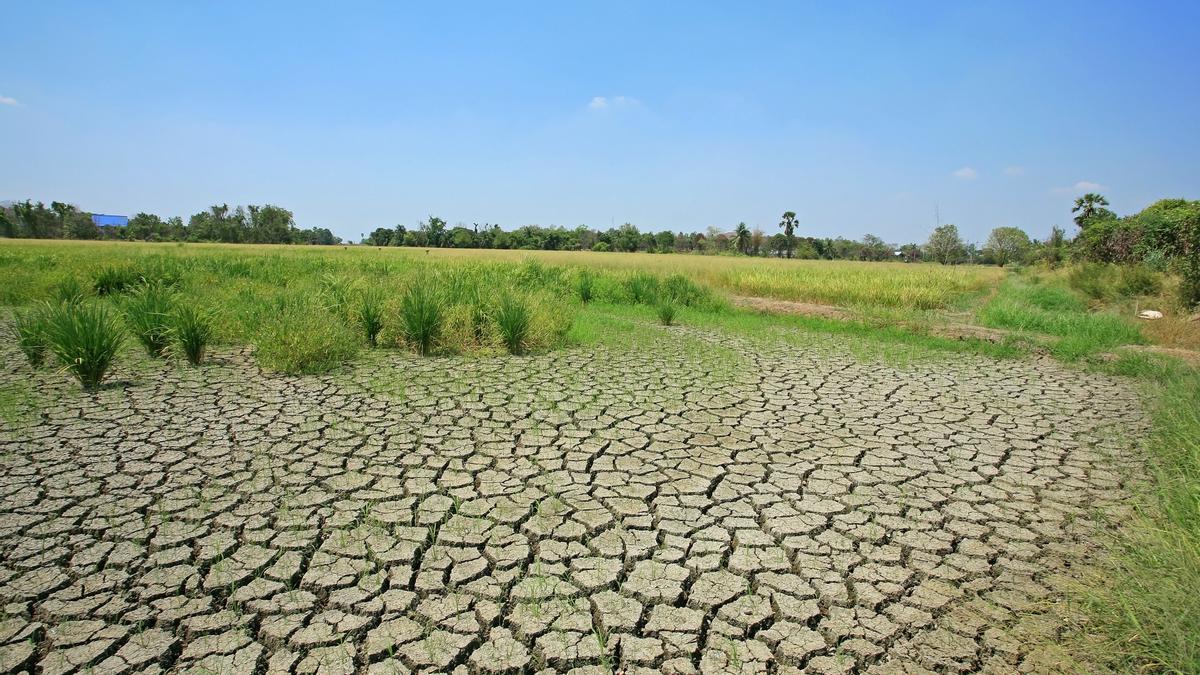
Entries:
{"x":8,"y":100}
{"x":1014,"y":171}
{"x":1081,"y":186}
{"x":613,"y":103}
{"x":966,"y":173}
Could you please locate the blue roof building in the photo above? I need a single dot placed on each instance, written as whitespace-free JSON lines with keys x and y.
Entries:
{"x":104,"y":220}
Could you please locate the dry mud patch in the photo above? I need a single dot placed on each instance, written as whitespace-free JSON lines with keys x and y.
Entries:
{"x":707,"y":504}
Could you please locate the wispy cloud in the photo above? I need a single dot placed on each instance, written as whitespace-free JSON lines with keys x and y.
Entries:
{"x":966,"y":173}
{"x":1014,"y":171}
{"x":8,"y":100}
{"x":612,"y":102}
{"x":1081,"y":186}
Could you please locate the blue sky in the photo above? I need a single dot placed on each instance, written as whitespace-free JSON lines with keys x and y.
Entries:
{"x":861,"y":118}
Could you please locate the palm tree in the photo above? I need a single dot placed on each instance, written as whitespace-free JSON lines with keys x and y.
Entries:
{"x":742,"y":235}
{"x":789,"y":230}
{"x":1088,"y":206}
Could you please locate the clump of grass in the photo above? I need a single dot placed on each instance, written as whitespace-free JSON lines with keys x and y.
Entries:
{"x":666,"y":312}
{"x":31,"y":335}
{"x":513,"y":321}
{"x":70,"y":291}
{"x":1137,"y":280}
{"x":370,"y":315}
{"x":642,"y":288}
{"x":112,"y":279}
{"x":585,"y":286}
{"x":421,"y":315}
{"x":148,"y":311}
{"x":192,"y":330}
{"x":85,"y":339}
{"x":1143,"y":600}
{"x":304,"y":338}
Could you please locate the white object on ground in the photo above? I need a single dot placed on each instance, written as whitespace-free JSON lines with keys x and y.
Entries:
{"x":1150,"y":314}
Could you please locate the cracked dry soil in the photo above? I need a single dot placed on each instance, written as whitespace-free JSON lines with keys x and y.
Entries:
{"x":669,"y":509}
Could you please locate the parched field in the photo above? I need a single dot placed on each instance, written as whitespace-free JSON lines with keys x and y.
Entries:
{"x":705,"y":503}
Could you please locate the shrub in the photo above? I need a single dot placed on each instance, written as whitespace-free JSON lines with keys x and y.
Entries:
{"x":1091,"y":279}
{"x":370,"y":315}
{"x":585,"y":285}
{"x":601,"y":247}
{"x":421,"y":315}
{"x":85,"y":339}
{"x":148,"y":313}
{"x":1139,"y":280}
{"x":192,"y":329}
{"x":513,"y":320}
{"x":1189,"y":284}
{"x":31,"y":335}
{"x":115,"y":279}
{"x":666,"y":313}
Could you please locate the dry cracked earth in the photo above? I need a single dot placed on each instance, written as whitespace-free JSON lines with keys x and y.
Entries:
{"x":703,"y":503}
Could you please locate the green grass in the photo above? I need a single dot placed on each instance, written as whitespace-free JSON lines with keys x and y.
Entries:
{"x":85,"y":338}
{"x":31,"y":335}
{"x":422,"y":312}
{"x":148,"y":311}
{"x":1142,"y":601}
{"x":191,"y":330}
{"x":513,"y":321}
{"x":1052,"y":310}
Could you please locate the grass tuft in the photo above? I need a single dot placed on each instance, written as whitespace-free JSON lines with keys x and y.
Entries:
{"x":421,"y":315}
{"x":370,"y":315}
{"x":666,"y":312}
{"x":85,"y":338}
{"x":192,"y":330}
{"x":513,"y":321}
{"x":31,"y":335}
{"x":148,"y":312}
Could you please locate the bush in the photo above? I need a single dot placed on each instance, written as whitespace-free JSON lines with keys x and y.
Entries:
{"x":31,"y":335}
{"x":148,"y":313}
{"x":666,"y":313}
{"x":192,"y":329}
{"x":370,"y":315}
{"x":1091,"y":279}
{"x":85,"y":339}
{"x":1138,"y":280}
{"x":601,"y":247}
{"x":513,"y":320}
{"x":421,"y":315}
{"x":1189,"y":284}
{"x":304,"y":339}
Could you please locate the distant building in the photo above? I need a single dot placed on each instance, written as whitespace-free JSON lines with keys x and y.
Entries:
{"x":104,"y":220}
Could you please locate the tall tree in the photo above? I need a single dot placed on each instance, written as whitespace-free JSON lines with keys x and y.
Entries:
{"x":1007,"y":245}
{"x":742,"y":236}
{"x":789,"y":231}
{"x":1089,"y":206}
{"x":945,"y":246}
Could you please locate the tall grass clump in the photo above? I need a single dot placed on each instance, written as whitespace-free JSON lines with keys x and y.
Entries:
{"x":31,"y":335}
{"x":422,"y":311}
{"x":192,"y":330}
{"x":642,"y":288}
{"x":148,"y":311}
{"x":585,"y":286}
{"x":85,"y":338}
{"x":1143,"y":600}
{"x":304,"y":337}
{"x":70,"y":291}
{"x":666,"y":312}
{"x":370,"y":315}
{"x":112,"y":279}
{"x":513,"y":322}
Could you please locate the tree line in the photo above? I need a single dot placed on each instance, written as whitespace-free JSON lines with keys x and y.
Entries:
{"x":239,"y":225}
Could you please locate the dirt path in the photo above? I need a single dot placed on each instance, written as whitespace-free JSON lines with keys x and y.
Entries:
{"x":705,"y":504}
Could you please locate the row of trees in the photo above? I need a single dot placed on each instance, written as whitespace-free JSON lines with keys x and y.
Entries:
{"x":249,"y":225}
